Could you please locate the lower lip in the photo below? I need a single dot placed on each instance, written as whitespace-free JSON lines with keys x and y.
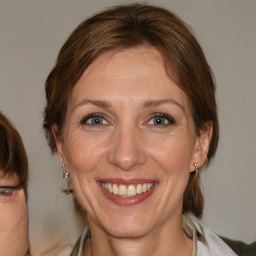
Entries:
{"x":128,"y":201}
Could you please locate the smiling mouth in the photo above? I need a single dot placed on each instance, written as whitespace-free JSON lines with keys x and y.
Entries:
{"x":131,"y":190}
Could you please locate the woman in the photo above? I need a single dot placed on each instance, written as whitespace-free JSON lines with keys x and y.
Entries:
{"x":13,"y":191}
{"x":131,"y":112}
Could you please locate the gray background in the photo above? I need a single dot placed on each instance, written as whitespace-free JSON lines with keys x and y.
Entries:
{"x":32,"y":32}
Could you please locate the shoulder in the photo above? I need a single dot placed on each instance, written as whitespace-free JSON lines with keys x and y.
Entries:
{"x":240,"y":247}
{"x":209,"y":243}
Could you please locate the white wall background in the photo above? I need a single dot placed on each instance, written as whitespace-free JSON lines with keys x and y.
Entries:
{"x":31,"y":34}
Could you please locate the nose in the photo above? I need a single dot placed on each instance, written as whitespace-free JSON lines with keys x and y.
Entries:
{"x":126,"y":149}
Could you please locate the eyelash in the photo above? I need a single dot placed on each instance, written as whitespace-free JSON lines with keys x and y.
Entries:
{"x":102,"y":118}
{"x":90,"y":116}
{"x":171,"y":120}
{"x":7,"y":191}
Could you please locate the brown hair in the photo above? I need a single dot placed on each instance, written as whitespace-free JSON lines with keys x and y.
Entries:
{"x":129,"y":26}
{"x":13,"y":158}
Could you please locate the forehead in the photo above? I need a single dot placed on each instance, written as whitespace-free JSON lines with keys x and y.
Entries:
{"x":130,"y":72}
{"x":123,"y":62}
{"x":8,"y":178}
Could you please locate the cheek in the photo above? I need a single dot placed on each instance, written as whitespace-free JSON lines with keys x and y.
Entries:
{"x":13,"y":213}
{"x":84,"y":153}
{"x":173,"y":153}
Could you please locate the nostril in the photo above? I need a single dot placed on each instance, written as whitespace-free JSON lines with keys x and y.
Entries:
{"x":126,"y":164}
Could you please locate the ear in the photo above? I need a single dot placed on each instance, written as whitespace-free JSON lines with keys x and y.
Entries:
{"x":59,"y":145}
{"x":202,"y":146}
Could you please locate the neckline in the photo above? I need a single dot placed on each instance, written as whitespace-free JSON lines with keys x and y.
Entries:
{"x":190,"y":230}
{"x":187,"y":226}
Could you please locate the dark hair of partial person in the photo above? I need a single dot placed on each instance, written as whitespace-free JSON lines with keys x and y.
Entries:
{"x":131,"y":26}
{"x":13,"y":158}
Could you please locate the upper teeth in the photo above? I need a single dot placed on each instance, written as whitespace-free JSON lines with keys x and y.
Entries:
{"x":124,"y":190}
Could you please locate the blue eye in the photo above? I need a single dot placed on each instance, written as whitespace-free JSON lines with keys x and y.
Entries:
{"x":6,"y":191}
{"x":161,"y":120}
{"x":94,"y":119}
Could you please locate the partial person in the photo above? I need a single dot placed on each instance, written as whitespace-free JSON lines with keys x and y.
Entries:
{"x":13,"y":192}
{"x":132,"y":115}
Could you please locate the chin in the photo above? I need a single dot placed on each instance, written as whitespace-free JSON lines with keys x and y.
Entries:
{"x":127,"y":226}
{"x":127,"y":231}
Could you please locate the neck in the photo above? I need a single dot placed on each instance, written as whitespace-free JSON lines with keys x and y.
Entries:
{"x":164,"y":240}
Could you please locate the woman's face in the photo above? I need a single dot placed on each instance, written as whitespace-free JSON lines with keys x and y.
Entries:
{"x":129,"y":143}
{"x":13,"y":217}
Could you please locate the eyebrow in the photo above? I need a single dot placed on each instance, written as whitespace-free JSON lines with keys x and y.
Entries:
{"x":97,"y":103}
{"x":147,"y":104}
{"x":155,"y":103}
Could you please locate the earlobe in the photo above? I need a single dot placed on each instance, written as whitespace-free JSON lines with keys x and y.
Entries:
{"x":202,"y":146}
{"x":59,"y":144}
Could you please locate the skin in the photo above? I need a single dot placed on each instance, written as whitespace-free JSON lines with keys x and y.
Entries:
{"x":13,"y":219}
{"x":134,"y":86}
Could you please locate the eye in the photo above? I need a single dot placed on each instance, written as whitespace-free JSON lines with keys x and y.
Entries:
{"x":6,"y":191}
{"x":94,"y":119}
{"x":161,"y":120}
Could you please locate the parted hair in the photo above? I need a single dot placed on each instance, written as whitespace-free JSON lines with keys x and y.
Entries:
{"x":13,"y":158}
{"x":130,"y":26}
